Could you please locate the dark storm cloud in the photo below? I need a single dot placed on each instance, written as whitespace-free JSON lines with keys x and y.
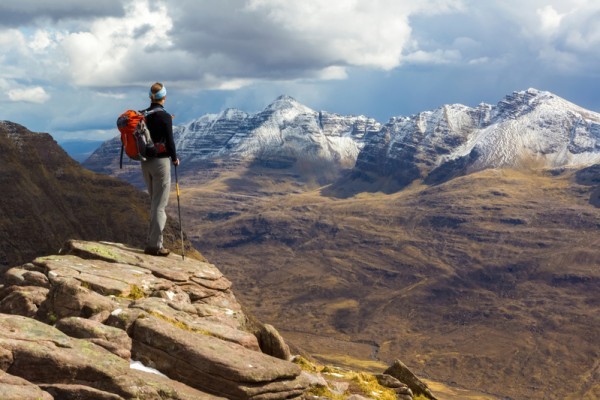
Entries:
{"x":22,"y":12}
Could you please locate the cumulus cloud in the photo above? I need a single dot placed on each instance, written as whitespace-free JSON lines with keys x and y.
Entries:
{"x":115,"y":49}
{"x":582,"y":30}
{"x":480,"y":60}
{"x":345,"y":32}
{"x":285,"y":40}
{"x":111,"y":95}
{"x":35,"y":94}
{"x":15,"y":57}
{"x":549,"y":18}
{"x":557,"y":36}
{"x":43,"y":40}
{"x":227,"y":45}
{"x":569,"y":37}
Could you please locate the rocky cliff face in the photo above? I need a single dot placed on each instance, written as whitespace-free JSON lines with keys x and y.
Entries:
{"x":111,"y":305}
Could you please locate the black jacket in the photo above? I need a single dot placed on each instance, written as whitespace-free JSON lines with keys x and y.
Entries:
{"x":160,"y":125}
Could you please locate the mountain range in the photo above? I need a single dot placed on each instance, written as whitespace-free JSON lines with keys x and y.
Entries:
{"x":525,"y":127}
{"x":283,"y":135}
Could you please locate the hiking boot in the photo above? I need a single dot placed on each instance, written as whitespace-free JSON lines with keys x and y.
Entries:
{"x":155,"y":251}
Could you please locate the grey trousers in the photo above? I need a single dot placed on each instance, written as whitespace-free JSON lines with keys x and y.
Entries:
{"x":157,"y":174}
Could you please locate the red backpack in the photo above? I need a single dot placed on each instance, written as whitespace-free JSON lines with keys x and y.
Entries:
{"x":135,"y":136}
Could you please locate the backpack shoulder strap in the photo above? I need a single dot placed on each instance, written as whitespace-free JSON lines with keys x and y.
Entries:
{"x":147,"y":112}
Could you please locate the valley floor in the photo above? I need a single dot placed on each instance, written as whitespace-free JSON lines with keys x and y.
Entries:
{"x":488,"y":282}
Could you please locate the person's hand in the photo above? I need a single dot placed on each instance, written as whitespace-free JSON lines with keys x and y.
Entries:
{"x":176,"y":162}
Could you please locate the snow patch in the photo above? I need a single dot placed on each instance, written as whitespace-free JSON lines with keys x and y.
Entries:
{"x":141,"y":367}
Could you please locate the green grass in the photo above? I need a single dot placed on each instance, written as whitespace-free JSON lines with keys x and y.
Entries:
{"x":370,"y":387}
{"x":321,"y":391}
{"x":135,"y":292}
{"x":304,"y":364}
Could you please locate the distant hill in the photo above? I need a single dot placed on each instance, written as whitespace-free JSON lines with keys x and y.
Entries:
{"x":48,"y":198}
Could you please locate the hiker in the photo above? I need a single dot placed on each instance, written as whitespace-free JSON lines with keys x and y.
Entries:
{"x":157,"y":168}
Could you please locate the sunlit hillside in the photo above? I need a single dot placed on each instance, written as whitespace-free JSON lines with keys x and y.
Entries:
{"x":489,"y":281}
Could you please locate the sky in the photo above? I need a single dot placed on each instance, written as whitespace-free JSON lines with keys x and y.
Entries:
{"x":70,"y":67}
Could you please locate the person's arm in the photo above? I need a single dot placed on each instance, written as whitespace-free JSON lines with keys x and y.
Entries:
{"x":167,"y":127}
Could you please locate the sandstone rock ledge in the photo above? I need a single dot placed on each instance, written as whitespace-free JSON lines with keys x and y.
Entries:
{"x":71,"y":324}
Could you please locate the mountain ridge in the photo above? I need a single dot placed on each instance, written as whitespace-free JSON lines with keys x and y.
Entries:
{"x":525,"y":127}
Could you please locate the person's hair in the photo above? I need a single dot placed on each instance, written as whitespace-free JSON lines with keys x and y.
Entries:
{"x":155,"y":89}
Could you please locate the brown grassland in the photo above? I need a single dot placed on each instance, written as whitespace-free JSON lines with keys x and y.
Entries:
{"x":490,"y":281}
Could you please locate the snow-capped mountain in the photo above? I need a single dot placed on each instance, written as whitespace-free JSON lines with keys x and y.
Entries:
{"x":528,"y":127}
{"x":283,"y":133}
{"x":531,"y":126}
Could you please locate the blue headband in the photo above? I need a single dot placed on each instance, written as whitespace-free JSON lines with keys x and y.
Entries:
{"x":158,"y":95}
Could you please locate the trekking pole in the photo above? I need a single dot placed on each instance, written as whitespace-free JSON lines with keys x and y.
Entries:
{"x":179,"y":210}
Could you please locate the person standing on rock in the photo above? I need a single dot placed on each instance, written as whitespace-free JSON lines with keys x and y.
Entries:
{"x":157,"y":167}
